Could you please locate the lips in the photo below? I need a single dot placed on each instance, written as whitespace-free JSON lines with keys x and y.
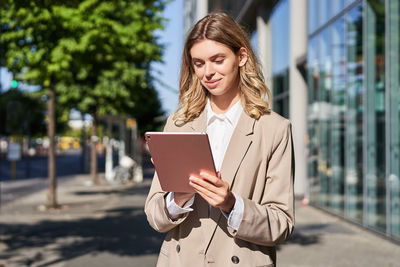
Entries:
{"x":213,"y":83}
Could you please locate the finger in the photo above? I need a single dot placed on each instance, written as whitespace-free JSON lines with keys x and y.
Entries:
{"x":211,"y":178}
{"x":208,"y":196}
{"x":217,"y":194}
{"x":203,"y":189}
{"x":205,"y":184}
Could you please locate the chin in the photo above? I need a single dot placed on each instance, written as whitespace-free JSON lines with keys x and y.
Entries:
{"x":215,"y":92}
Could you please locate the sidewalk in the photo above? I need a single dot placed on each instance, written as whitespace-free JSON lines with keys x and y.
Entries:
{"x":106,"y":226}
{"x":96,"y":226}
{"x":321,"y":239}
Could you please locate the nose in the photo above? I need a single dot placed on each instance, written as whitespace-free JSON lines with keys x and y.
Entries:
{"x":209,"y":70}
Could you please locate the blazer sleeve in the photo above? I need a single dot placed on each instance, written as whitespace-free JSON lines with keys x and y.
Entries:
{"x":272,"y":221}
{"x":155,"y":206}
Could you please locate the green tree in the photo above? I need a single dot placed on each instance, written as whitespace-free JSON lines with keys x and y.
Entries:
{"x":92,"y":55}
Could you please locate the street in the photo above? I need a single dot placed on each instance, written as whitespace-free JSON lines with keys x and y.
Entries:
{"x":68,"y":163}
{"x":106,"y":226}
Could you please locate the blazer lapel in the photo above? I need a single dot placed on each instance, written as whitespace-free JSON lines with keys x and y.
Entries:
{"x":238,"y":146}
{"x":200,"y":123}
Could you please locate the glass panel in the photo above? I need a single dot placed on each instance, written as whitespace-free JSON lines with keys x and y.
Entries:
{"x":324,"y":114}
{"x":375,"y":115}
{"x":348,"y":2}
{"x":254,"y":41}
{"x":354,"y":115}
{"x":280,"y":32}
{"x":281,"y":106}
{"x":278,"y":107}
{"x":281,"y":96}
{"x":394,"y":117}
{"x":312,"y":140}
{"x":280,"y":57}
{"x":312,"y":15}
{"x":313,"y":72}
{"x":338,"y":115}
{"x":324,"y":8}
{"x":337,"y":6}
{"x":281,"y":82}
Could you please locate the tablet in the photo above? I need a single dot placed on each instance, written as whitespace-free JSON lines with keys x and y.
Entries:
{"x":178,"y":155}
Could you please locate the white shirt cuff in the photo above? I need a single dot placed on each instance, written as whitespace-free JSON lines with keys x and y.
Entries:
{"x":173,"y":209}
{"x":235,"y":216}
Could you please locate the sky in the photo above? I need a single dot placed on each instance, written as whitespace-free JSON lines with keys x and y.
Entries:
{"x":168,"y":72}
{"x":5,"y":77}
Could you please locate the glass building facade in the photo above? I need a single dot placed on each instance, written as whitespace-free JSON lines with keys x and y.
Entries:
{"x":280,"y":57}
{"x":354,"y":111}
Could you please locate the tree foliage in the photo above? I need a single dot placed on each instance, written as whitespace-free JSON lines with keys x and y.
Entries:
{"x":96,"y":53}
{"x":92,"y":55}
{"x":21,"y":113}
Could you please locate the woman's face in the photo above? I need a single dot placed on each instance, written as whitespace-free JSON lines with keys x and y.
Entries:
{"x":217,"y":67}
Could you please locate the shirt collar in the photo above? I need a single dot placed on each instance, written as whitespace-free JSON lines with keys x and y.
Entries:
{"x":232,"y":115}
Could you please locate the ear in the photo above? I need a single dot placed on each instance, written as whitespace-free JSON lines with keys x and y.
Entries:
{"x":243,"y":56}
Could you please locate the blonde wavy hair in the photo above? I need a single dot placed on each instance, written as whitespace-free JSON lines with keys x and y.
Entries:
{"x":221,"y":28}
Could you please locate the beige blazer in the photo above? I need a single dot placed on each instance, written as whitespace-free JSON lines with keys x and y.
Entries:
{"x":259,"y":166}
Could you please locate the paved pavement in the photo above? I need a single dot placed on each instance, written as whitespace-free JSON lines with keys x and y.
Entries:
{"x":105,"y":226}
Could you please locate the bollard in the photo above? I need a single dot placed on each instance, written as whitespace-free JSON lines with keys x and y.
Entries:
{"x":13,"y":169}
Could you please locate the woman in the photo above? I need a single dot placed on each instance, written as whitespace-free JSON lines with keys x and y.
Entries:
{"x":237,"y":217}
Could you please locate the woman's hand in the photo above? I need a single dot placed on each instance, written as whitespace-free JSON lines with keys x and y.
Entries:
{"x":214,"y":190}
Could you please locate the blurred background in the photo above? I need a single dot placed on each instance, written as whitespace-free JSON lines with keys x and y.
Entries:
{"x":81,"y":81}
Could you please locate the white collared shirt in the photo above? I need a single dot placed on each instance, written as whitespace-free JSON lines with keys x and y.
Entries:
{"x":220,"y":128}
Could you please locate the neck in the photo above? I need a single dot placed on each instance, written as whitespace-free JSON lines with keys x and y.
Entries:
{"x":221,"y":104}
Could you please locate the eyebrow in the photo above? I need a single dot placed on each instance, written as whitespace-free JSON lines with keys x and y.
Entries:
{"x":212,"y":57}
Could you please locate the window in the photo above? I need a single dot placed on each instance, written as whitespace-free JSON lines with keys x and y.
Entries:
{"x":338,"y":112}
{"x":280,"y":58}
{"x":375,"y":167}
{"x":354,"y":115}
{"x":394,"y":117}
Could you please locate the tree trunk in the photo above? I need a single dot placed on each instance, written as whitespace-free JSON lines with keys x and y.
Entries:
{"x":84,"y":154}
{"x":93,"y":159}
{"x":52,"y":199}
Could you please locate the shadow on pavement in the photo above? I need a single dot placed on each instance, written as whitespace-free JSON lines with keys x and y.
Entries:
{"x":302,"y":239}
{"x":122,"y":230}
{"x":309,"y":234}
{"x":140,"y":190}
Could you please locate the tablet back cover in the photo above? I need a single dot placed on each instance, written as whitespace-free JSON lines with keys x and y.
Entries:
{"x":177,"y":155}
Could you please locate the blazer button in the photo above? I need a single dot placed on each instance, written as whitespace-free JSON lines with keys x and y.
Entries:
{"x":178,"y":248}
{"x":235,"y":259}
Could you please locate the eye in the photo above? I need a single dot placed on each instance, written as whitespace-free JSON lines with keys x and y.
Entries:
{"x":219,"y":60}
{"x":198,"y":64}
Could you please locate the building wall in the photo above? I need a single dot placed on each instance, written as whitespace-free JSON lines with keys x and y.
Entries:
{"x":353,"y":111}
{"x":194,"y":10}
